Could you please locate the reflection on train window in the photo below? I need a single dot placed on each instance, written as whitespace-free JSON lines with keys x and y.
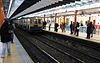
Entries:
{"x":39,"y":21}
{"x":31,"y":21}
{"x":35,"y":22}
{"x":28,"y":19}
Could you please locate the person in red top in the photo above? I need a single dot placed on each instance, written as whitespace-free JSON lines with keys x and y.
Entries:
{"x":63,"y":27}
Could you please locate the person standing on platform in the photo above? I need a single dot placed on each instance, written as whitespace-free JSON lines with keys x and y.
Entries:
{"x":5,"y":38}
{"x":44,"y":25}
{"x":71,"y":28}
{"x":49,"y":26}
{"x":77,"y":29}
{"x":89,"y":30}
{"x":56,"y":27}
{"x":63,"y":27}
{"x":92,"y":30}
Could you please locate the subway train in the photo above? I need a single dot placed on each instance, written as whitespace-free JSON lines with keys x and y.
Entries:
{"x":31,"y":24}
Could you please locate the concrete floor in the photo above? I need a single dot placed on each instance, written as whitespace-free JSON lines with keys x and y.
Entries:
{"x":14,"y":58}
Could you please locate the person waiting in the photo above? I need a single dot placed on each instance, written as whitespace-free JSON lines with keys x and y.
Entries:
{"x":56,"y":27}
{"x":5,"y":38}
{"x":71,"y":28}
{"x":77,"y":29}
{"x":89,"y":30}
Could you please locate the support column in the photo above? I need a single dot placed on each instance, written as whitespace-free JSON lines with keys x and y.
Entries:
{"x":64,"y":19}
{"x":58,"y":20}
{"x":89,"y":19}
{"x":75,"y":19}
{"x":1,"y":13}
{"x":64,"y":25}
{"x":94,"y":22}
{"x":55,"y":19}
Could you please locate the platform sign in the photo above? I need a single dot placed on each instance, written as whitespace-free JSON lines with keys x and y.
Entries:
{"x":1,"y":13}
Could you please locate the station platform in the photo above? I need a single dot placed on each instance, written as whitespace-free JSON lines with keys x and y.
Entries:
{"x":14,"y":55}
{"x":82,"y":35}
{"x":95,"y":37}
{"x":18,"y":54}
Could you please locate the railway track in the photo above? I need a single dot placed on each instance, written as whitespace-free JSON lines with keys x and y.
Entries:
{"x":85,"y":58}
{"x":43,"y":50}
{"x":36,"y":53}
{"x":86,"y":49}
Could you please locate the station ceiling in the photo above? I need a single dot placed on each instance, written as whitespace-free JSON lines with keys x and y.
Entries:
{"x":28,"y":3}
{"x":23,"y":9}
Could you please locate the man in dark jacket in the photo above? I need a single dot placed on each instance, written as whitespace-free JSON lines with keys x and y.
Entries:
{"x":5,"y":38}
{"x":56,"y":27}
{"x":44,"y":25}
{"x":77,"y":29}
{"x":89,"y":27}
{"x":71,"y":28}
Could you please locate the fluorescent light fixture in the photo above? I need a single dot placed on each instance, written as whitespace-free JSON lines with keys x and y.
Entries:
{"x":40,"y":4}
{"x":11,"y":1}
{"x":15,"y":5}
